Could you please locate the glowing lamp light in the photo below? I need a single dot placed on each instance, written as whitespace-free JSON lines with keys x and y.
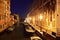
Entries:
{"x":41,"y":17}
{"x":25,"y":21}
{"x":50,"y":26}
{"x":28,"y":19}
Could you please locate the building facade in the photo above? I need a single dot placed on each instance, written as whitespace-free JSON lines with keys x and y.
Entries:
{"x":5,"y":17}
{"x":44,"y":16}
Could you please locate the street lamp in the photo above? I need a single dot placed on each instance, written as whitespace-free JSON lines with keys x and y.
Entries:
{"x":40,"y":17}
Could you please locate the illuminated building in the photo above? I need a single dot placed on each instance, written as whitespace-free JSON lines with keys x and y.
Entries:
{"x":4,"y":14}
{"x":46,"y":14}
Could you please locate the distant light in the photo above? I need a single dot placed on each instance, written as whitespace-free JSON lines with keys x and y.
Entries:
{"x":41,"y":17}
{"x":28,"y":19}
{"x":25,"y":21}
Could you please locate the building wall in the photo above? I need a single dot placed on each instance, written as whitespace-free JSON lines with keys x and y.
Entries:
{"x":44,"y":14}
{"x":4,"y":14}
{"x":58,"y":18}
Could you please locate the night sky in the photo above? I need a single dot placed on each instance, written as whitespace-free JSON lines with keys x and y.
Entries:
{"x":20,"y":7}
